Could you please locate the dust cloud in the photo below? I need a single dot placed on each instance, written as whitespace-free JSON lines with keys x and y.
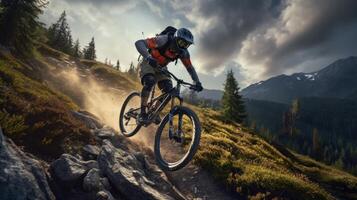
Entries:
{"x":95,"y":96}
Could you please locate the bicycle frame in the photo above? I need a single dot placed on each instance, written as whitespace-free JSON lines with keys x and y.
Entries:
{"x":165,"y":97}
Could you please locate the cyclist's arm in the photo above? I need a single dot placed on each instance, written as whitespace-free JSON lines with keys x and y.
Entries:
{"x":150,"y":43}
{"x":186,"y":61}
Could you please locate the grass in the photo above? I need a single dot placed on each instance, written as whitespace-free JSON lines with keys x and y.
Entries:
{"x":254,"y":169}
{"x":35,"y":116}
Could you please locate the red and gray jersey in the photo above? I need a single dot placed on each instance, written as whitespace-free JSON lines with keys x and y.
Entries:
{"x":163,"y":58}
{"x":153,"y":47}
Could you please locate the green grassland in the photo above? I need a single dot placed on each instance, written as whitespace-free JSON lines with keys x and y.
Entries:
{"x":253,"y":168}
{"x":39,"y":118}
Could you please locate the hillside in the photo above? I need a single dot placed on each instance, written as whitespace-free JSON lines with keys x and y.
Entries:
{"x":40,"y":100}
{"x":336,"y":80}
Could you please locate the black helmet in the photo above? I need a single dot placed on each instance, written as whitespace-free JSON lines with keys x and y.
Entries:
{"x":184,"y":38}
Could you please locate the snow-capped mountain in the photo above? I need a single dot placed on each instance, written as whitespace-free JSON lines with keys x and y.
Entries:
{"x":337,"y":80}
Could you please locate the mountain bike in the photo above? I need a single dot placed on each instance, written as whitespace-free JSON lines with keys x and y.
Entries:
{"x":178,"y":135}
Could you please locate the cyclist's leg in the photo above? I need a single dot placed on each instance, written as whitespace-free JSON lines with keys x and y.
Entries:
{"x":164,"y":82}
{"x":148,"y":80}
{"x":165,"y":85}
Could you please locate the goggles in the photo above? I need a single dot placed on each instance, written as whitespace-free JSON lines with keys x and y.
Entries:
{"x":181,"y":43}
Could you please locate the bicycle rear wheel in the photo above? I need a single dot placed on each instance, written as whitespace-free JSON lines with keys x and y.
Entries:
{"x":128,"y":115}
{"x":175,"y":144}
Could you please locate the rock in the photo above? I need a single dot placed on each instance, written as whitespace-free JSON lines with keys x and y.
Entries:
{"x":105,"y":133}
{"x":92,"y":181}
{"x":104,"y":195}
{"x":69,"y":169}
{"x":21,"y":175}
{"x":126,"y":174}
{"x":90,"y":164}
{"x":90,"y":152}
{"x":105,"y":183}
{"x":142,"y":159}
{"x":88,"y":119}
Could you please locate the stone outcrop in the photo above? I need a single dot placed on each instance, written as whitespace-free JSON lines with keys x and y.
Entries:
{"x":111,"y":169}
{"x":21,"y":175}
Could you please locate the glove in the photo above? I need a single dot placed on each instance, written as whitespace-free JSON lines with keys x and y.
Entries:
{"x":152,"y":62}
{"x":198,"y":87}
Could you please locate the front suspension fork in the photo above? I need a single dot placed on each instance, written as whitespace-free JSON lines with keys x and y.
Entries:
{"x":172,"y":132}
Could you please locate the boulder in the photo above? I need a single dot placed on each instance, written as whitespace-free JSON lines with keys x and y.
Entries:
{"x":104,"y":195}
{"x":90,"y":152}
{"x":105,"y":133}
{"x":88,"y":119}
{"x":21,"y":175}
{"x":126,"y":174}
{"x":92,"y":181}
{"x":69,"y":170}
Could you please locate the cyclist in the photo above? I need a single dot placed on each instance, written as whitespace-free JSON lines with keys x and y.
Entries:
{"x":157,"y":52}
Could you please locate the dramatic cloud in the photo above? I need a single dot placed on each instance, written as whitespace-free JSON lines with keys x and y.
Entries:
{"x":256,"y":38}
{"x":227,"y":25}
{"x":305,"y":30}
{"x":271,"y":37}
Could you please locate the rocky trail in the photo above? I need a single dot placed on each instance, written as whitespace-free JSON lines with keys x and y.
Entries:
{"x":113,"y":168}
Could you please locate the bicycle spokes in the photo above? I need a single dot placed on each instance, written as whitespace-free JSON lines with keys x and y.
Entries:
{"x":176,"y":137}
{"x":131,"y":113}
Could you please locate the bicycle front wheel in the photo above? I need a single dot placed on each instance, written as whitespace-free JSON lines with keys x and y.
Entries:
{"x":128,"y":114}
{"x":177,"y":139}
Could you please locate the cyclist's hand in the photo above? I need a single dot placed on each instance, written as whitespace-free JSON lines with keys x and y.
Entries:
{"x":198,"y":87}
{"x":152,"y":62}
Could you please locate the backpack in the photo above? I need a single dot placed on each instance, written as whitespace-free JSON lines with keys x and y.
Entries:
{"x":170,"y":30}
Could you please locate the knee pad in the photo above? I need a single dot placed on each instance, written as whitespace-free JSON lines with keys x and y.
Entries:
{"x":148,"y":82}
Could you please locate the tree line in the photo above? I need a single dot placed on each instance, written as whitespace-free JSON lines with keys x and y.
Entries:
{"x":322,"y":128}
{"x":21,"y":31}
{"x":60,"y":38}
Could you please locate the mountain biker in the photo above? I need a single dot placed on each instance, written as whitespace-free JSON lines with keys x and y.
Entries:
{"x":157,"y":52}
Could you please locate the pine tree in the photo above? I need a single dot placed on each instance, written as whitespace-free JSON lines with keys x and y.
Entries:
{"x":19,"y":24}
{"x":76,"y":50}
{"x":59,"y":35}
{"x":89,"y":51}
{"x":117,"y":66}
{"x":316,"y":144}
{"x":232,"y":104}
{"x":295,"y":107}
{"x":132,"y":71}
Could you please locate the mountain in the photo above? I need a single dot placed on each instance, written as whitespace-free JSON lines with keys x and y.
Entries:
{"x":61,"y":110}
{"x":337,"y":80}
{"x":210,"y":94}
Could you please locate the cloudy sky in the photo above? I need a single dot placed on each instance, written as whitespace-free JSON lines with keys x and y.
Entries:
{"x":257,"y":39}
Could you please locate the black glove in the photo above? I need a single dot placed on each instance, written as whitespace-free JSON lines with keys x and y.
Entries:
{"x":152,"y":62}
{"x":198,"y":87}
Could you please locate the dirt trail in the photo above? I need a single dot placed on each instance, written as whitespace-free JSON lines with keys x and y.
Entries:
{"x":191,"y":181}
{"x":195,"y":183}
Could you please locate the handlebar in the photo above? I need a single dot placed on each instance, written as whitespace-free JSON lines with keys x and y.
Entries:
{"x":179,"y":81}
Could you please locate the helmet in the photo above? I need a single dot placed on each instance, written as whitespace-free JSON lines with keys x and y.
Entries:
{"x":184,"y":38}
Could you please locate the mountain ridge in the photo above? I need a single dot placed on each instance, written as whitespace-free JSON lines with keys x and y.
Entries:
{"x":336,"y":80}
